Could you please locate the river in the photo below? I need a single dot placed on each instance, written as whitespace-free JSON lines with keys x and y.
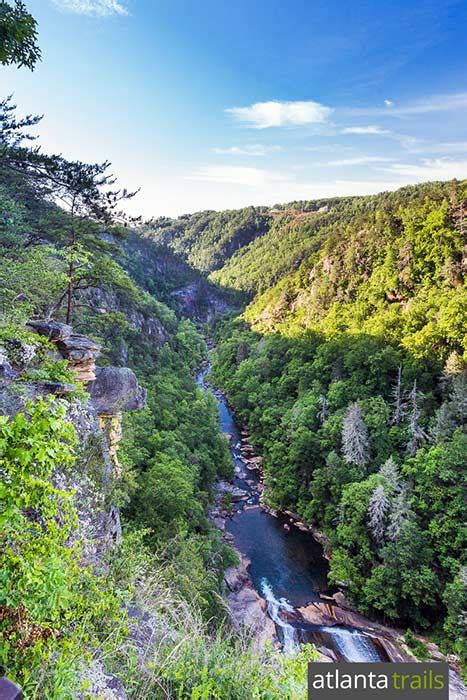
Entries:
{"x":287,"y":565}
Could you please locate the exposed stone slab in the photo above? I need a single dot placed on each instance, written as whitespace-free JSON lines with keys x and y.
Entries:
{"x":115,"y":389}
{"x":53,"y":330}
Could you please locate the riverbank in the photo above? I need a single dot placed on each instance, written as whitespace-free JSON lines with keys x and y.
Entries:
{"x":337,"y":630}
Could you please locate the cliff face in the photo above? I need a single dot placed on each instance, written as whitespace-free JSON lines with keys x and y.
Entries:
{"x":167,"y":276}
{"x":96,"y":419}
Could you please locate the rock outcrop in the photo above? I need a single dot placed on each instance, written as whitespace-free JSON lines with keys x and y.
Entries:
{"x":6,"y":370}
{"x":247,"y":608}
{"x":97,"y":423}
{"x":81,"y":353}
{"x":53,"y":330}
{"x":115,"y":389}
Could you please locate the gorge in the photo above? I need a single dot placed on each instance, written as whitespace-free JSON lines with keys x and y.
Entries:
{"x":339,"y":330}
{"x":287,"y":566}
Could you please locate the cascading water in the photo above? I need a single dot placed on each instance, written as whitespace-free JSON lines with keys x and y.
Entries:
{"x":275,"y":605}
{"x":352,"y":645}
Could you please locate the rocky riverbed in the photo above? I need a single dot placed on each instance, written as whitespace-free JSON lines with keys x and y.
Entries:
{"x":262,"y":603}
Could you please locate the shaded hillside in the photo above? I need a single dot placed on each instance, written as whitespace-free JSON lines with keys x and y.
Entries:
{"x":207,"y":239}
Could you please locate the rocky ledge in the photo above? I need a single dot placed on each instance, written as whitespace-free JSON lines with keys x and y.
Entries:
{"x":115,"y":389}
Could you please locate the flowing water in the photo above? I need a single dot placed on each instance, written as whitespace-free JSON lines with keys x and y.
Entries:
{"x":287,"y":566}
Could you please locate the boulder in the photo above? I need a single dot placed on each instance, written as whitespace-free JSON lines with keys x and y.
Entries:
{"x":248,"y":609}
{"x":340,"y":600}
{"x":327,"y":655}
{"x":115,"y":389}
{"x":52,"y":330}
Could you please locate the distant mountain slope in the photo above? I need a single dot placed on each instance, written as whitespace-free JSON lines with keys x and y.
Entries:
{"x":208,"y":239}
{"x":390,"y":265}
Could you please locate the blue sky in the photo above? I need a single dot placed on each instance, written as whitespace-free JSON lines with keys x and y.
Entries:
{"x":212,"y":104}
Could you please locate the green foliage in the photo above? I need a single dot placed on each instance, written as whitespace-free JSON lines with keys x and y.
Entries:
{"x":18,"y":35}
{"x":54,"y":611}
{"x":231,"y":670}
{"x":30,"y":284}
{"x":207,"y":239}
{"x":416,"y":646}
{"x":50,"y":370}
{"x":294,"y":394}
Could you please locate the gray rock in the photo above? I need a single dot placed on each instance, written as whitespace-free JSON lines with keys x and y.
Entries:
{"x":149,"y":327}
{"x":51,"y":329}
{"x":116,"y":389}
{"x":237,"y":494}
{"x":6,"y":371}
{"x":56,"y":388}
{"x":78,"y":348}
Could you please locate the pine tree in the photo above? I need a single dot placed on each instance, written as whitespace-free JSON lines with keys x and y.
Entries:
{"x":459,"y":397}
{"x":378,"y":509}
{"x":83,"y":190}
{"x":398,"y":403}
{"x":445,"y":423}
{"x":355,"y":443}
{"x":398,"y":516}
{"x":390,"y":473}
{"x":323,"y":411}
{"x":417,"y":434}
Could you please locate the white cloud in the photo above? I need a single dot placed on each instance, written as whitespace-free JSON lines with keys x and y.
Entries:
{"x":449,"y":147}
{"x":253,"y":150}
{"x":388,"y":103}
{"x":263,"y":115}
{"x":431,"y":169}
{"x":378,"y":130}
{"x":359,"y":160}
{"x":434,"y":103}
{"x":405,"y":141}
{"x":235,"y":175}
{"x":93,"y":8}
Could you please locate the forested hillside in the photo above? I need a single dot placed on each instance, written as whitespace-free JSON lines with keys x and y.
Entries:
{"x":349,"y":369}
{"x":207,"y":239}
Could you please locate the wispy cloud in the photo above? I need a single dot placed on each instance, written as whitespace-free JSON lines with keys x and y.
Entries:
{"x":405,"y":141}
{"x":236,"y":175}
{"x":358,"y":160}
{"x":263,"y":115}
{"x":430,"y":169}
{"x":93,"y":8}
{"x":378,"y":130}
{"x":433,"y":103}
{"x":251,"y":150}
{"x":447,"y":147}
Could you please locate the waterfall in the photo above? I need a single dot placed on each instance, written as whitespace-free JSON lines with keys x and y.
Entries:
{"x":352,"y":645}
{"x":289,"y":633}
